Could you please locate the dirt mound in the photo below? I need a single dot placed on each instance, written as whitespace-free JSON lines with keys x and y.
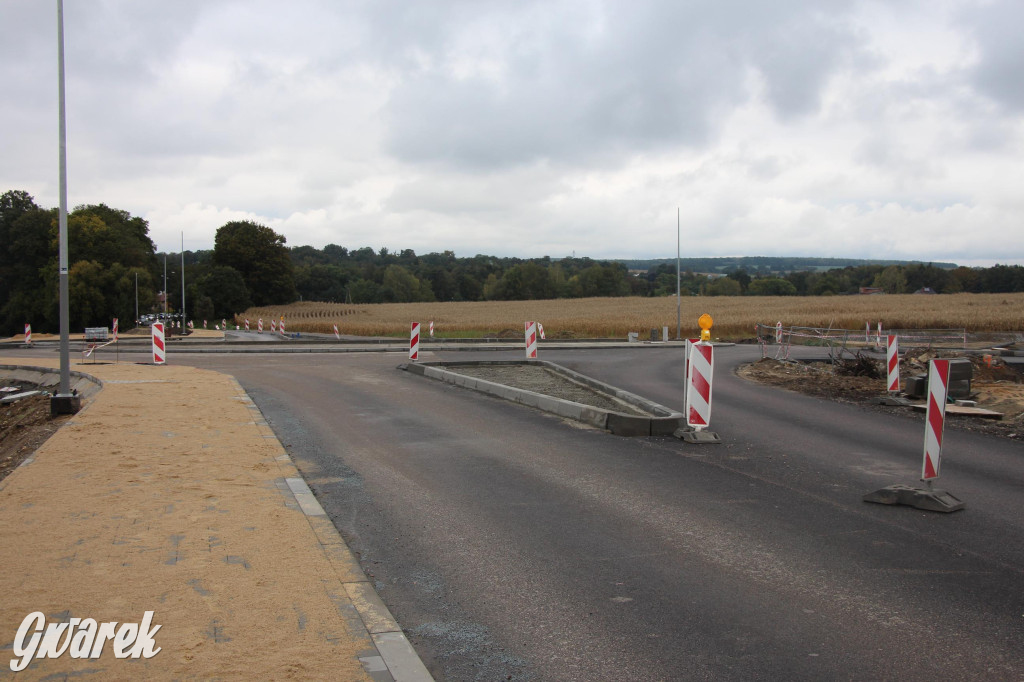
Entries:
{"x":996,"y":385}
{"x":24,"y":426}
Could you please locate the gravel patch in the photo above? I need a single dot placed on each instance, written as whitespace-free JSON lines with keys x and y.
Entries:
{"x":547,"y":382}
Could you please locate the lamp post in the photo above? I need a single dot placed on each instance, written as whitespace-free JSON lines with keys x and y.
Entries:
{"x":64,"y":402}
{"x":679,"y":301}
{"x":183,"y":327}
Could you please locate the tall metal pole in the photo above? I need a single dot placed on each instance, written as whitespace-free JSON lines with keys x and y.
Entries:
{"x":183,"y":282}
{"x":679,"y":300}
{"x":165,"y":288}
{"x":65,"y":401}
{"x":136,"y":298}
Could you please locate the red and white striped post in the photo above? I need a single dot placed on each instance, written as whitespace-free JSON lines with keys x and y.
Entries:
{"x":531,"y":340}
{"x":115,"y":329}
{"x":686,"y":360}
{"x":700,"y":375}
{"x":878,"y":334}
{"x":281,"y":327}
{"x":938,"y":388}
{"x":247,"y":324}
{"x":431,"y":329}
{"x":540,"y":330}
{"x":259,"y":326}
{"x":414,"y":341}
{"x":273,"y":326}
{"x":223,"y":324}
{"x":892,"y":362}
{"x":159,"y":350}
{"x":336,"y":334}
{"x":778,"y":332}
{"x":204,"y":324}
{"x":28,"y":333}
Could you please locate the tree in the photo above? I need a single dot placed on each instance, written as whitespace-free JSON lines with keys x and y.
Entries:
{"x":399,"y":285}
{"x":891,"y":280}
{"x":771,"y":286}
{"x":260,"y":255}
{"x":723,"y":286}
{"x":225,"y":288}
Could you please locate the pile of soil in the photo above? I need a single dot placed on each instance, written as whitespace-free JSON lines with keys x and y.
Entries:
{"x":996,"y":386}
{"x":24,"y":426}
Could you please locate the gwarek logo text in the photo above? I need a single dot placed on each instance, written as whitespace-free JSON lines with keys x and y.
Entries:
{"x":82,"y":638}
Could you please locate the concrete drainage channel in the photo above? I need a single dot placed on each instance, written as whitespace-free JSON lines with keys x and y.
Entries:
{"x":620,"y":412}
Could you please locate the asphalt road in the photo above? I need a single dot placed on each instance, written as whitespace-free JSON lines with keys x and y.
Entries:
{"x":514,"y":545}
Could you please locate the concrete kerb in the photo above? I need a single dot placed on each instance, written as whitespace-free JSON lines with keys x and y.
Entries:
{"x":46,"y":377}
{"x":664,"y":422}
{"x":395,"y":658}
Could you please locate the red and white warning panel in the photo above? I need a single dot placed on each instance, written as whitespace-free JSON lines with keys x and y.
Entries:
{"x":700,"y":375}
{"x":247,"y":324}
{"x":28,"y":333}
{"x":259,"y":326}
{"x":159,"y":350}
{"x":892,"y":361}
{"x":337,"y":335}
{"x":115,"y":330}
{"x":414,"y":341}
{"x":938,"y":388}
{"x":531,"y":340}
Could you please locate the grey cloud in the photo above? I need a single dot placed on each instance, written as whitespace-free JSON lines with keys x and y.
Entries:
{"x":649,"y":76}
{"x":996,"y":30}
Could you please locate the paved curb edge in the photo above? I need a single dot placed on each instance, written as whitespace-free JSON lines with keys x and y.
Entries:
{"x":393,"y":648}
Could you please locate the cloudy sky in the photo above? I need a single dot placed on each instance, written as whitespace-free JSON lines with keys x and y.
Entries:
{"x":793,"y":127}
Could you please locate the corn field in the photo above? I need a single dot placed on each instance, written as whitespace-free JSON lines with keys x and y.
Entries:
{"x":735,"y":316}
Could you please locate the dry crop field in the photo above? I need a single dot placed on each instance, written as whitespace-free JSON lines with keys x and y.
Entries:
{"x":735,"y":316}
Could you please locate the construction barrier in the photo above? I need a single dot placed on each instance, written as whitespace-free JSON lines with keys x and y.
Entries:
{"x":280,"y":327}
{"x":336,"y":334}
{"x":159,"y":350}
{"x":414,"y":341}
{"x":531,"y":340}
{"x":273,"y":326}
{"x":431,"y":329}
{"x":28,"y":333}
{"x":115,"y":329}
{"x":247,"y":324}
{"x":700,"y":375}
{"x":540,"y":329}
{"x":686,"y":361}
{"x":892,"y":362}
{"x":259,"y":326}
{"x":938,"y":387}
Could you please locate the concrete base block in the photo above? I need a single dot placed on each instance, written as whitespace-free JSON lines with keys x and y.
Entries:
{"x":65,"y":404}
{"x":689,"y":435}
{"x":920,"y":498}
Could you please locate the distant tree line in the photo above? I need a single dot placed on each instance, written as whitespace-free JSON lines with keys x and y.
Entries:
{"x":110,"y":251}
{"x":891,"y":279}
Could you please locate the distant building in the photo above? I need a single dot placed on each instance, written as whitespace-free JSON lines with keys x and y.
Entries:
{"x":872,"y":290}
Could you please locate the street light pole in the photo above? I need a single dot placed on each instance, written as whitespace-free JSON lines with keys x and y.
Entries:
{"x":136,"y":298}
{"x":183,"y":283}
{"x":679,"y":302}
{"x":64,"y":402}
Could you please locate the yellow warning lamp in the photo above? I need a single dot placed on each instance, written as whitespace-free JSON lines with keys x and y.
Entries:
{"x":705,"y":322}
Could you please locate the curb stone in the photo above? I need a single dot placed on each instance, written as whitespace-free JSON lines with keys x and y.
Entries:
{"x":395,"y":658}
